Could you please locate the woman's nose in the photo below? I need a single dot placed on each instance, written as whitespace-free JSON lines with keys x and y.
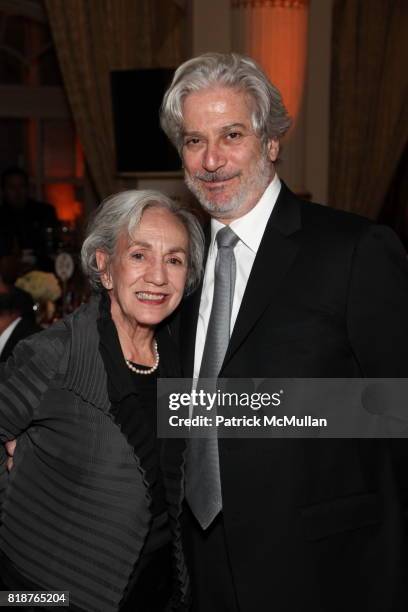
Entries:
{"x":156,"y":273}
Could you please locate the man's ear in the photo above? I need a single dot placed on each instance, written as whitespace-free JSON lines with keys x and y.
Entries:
{"x":273,"y":149}
{"x":102,"y":261}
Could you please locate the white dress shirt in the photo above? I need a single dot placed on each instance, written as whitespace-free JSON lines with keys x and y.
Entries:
{"x":250,"y":229}
{"x":5,"y":335}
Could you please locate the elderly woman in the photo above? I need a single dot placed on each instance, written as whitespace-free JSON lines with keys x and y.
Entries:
{"x":92,"y":503}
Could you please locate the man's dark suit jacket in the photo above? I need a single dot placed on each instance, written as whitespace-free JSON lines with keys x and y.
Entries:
{"x":24,"y":328}
{"x":316,"y":524}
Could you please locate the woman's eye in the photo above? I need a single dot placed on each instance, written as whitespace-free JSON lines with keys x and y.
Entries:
{"x":192,"y":141}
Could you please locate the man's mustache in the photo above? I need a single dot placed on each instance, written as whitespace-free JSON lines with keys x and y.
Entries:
{"x":215,"y":177}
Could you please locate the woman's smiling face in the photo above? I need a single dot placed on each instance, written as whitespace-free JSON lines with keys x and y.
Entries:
{"x":147,"y":275}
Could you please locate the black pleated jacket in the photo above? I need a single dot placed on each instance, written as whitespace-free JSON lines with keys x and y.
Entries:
{"x":75,"y":508}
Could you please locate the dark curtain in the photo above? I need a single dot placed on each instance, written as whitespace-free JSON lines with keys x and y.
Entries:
{"x":93,"y":37}
{"x":369,"y":102}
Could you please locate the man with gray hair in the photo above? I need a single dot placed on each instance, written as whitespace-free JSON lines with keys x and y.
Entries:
{"x":291,"y":289}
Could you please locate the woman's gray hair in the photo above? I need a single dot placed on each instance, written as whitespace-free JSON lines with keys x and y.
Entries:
{"x":123,"y":212}
{"x":270,"y":119}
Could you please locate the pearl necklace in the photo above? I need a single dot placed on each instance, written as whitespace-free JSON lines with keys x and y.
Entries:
{"x":150,"y":370}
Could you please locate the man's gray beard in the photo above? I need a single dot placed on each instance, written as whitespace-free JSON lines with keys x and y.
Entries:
{"x":257,"y":182}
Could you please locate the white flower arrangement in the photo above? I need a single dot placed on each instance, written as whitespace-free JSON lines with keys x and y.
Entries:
{"x":42,"y":286}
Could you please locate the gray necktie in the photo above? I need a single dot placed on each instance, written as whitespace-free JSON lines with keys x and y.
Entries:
{"x":203,"y":484}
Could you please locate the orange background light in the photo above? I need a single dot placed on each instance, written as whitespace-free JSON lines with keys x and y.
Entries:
{"x":274,"y":33}
{"x":62,"y":196}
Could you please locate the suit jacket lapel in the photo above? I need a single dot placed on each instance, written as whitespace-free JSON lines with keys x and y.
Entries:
{"x":273,"y":260}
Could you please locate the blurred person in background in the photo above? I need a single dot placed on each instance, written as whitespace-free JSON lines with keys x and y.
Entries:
{"x":16,"y":318}
{"x":28,"y":227}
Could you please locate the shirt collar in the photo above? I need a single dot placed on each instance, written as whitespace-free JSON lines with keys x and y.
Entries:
{"x":5,"y":335}
{"x":251,"y":226}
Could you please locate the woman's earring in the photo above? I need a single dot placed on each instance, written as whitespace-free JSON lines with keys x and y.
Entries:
{"x":107,"y":283}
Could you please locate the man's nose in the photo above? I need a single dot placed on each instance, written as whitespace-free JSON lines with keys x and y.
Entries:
{"x":214,"y":158}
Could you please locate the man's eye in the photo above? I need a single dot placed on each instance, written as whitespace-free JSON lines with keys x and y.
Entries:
{"x":137,"y":255}
{"x":234,"y":135}
{"x":176,"y":261}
